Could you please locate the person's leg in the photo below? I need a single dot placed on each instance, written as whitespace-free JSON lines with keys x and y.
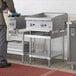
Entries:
{"x":3,"y":43}
{"x":3,"y":47}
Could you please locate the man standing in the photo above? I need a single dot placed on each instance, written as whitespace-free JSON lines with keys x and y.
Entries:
{"x":4,"y":4}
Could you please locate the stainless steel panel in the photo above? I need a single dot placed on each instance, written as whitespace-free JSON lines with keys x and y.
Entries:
{"x":17,"y":23}
{"x":12,"y":23}
{"x":20,"y":22}
{"x":59,"y":22}
{"x":39,"y":24}
{"x":18,"y":46}
{"x":72,"y":43}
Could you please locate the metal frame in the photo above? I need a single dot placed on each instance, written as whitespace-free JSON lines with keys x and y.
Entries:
{"x":22,"y":42}
{"x":49,"y":57}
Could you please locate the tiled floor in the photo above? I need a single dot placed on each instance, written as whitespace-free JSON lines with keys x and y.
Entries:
{"x":56,"y":64}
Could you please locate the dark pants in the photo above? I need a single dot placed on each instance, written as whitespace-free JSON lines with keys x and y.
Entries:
{"x":3,"y":42}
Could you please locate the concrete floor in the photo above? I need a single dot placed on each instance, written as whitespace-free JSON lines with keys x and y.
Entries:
{"x":56,"y":64}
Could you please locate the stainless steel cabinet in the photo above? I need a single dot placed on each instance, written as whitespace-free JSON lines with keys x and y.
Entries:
{"x":71,"y":34}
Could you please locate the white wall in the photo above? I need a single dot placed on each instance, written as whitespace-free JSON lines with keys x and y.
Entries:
{"x":36,"y":6}
{"x":26,"y":7}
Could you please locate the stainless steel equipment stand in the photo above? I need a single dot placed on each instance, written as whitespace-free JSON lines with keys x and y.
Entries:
{"x":42,"y":55}
{"x":20,"y":49}
{"x":36,"y":56}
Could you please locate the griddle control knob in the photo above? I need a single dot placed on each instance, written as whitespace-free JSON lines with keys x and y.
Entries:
{"x":45,"y":25}
{"x":32,"y":24}
{"x":42,"y":25}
